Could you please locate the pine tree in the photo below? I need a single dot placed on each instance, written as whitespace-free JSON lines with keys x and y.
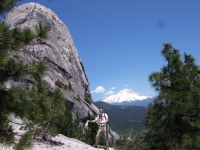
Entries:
{"x":44,"y":111}
{"x":7,"y":5}
{"x":37,"y":105}
{"x":173,"y":118}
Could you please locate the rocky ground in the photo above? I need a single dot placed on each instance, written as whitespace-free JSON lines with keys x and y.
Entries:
{"x":67,"y":144}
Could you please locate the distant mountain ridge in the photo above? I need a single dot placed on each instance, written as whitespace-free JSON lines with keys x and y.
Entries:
{"x":122,"y":118}
{"x":128,"y":97}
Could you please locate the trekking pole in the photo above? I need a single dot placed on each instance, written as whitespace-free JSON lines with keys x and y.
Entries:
{"x":107,"y":125}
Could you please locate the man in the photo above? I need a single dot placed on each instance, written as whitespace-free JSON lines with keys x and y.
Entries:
{"x":102,"y":120}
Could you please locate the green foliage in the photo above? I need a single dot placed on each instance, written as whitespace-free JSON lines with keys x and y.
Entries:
{"x":12,"y":69}
{"x":64,"y":86}
{"x":36,"y":104}
{"x":59,"y":84}
{"x":5,"y":37}
{"x":27,"y":36}
{"x":39,"y":70}
{"x":42,"y":30}
{"x":90,"y":134}
{"x":16,"y":39}
{"x":70,"y":125}
{"x":130,"y":140}
{"x":7,"y":5}
{"x":19,"y":38}
{"x":6,"y":136}
{"x":43,"y":110}
{"x":77,"y":98}
{"x":70,"y":87}
{"x":173,"y":118}
{"x":64,"y":123}
{"x":24,"y":142}
{"x":87,"y":97}
{"x":5,"y":41}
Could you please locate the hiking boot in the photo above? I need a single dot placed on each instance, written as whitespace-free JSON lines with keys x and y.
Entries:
{"x":95,"y":146}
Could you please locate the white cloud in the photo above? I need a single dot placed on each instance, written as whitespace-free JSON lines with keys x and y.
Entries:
{"x":111,"y":92}
{"x":112,"y":88}
{"x":99,"y":89}
{"x":126,"y":85}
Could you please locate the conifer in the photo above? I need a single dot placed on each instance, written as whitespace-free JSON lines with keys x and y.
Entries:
{"x":36,"y":104}
{"x":173,"y":117}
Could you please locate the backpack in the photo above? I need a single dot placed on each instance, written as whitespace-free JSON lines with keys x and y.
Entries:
{"x":103,"y":115}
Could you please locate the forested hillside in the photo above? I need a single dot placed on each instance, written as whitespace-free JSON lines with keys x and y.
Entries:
{"x":122,"y":118}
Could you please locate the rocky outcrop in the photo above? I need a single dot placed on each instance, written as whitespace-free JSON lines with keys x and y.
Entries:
{"x":58,"y":51}
{"x":66,"y":70}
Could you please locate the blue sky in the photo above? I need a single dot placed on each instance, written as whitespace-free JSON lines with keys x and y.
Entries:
{"x":120,"y":41}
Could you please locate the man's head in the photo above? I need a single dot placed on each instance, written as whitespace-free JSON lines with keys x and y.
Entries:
{"x":100,"y":110}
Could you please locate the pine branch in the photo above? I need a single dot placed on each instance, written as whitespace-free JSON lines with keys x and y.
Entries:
{"x":30,"y":99}
{"x":15,"y":122}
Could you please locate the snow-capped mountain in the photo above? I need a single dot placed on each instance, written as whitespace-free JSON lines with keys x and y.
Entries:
{"x":128,"y":97}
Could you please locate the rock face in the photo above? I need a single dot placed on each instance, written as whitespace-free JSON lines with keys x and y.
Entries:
{"x":58,"y":51}
{"x":66,"y":70}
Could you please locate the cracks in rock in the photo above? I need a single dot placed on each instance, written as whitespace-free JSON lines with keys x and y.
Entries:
{"x":60,"y":68}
